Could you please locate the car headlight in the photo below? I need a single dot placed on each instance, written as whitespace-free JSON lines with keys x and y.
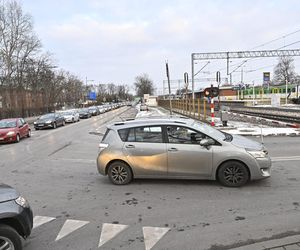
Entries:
{"x":48,"y":121}
{"x":10,"y":133}
{"x":21,"y":201}
{"x":35,"y":123}
{"x":258,"y":154}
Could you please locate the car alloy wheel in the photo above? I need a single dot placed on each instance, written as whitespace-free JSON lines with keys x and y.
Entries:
{"x":9,"y":238}
{"x":63,"y":123}
{"x":54,"y":125}
{"x":17,"y":140}
{"x":233,"y":174}
{"x":29,"y":133}
{"x":119,"y":173}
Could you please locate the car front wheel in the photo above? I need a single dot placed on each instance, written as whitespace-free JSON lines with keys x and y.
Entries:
{"x":54,"y":125}
{"x":17,"y":140}
{"x":233,"y":174}
{"x":9,"y":238}
{"x":119,"y":173}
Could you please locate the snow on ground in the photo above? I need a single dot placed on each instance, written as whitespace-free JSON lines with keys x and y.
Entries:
{"x":234,"y":127}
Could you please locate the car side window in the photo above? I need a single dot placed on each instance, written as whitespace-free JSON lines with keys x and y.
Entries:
{"x":183,"y":135}
{"x":20,"y":122}
{"x":146,"y":134}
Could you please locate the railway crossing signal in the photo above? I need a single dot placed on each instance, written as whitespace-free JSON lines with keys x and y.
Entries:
{"x":211,"y":92}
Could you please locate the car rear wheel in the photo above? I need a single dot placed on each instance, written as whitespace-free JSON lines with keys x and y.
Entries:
{"x":17,"y":140}
{"x":233,"y":174}
{"x":9,"y":238}
{"x":119,"y":173}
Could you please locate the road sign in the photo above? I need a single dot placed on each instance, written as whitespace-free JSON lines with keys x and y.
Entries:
{"x":266,"y":78}
{"x":211,"y":92}
{"x":92,"y":96}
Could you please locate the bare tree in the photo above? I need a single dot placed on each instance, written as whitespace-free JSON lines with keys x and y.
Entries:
{"x":143,"y":85}
{"x":284,"y":71}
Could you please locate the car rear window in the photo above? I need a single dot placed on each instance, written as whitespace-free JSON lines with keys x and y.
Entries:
{"x":106,"y":133}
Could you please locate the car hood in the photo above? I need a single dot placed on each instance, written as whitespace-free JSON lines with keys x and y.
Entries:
{"x":6,"y":130}
{"x":68,"y":116}
{"x":44,"y":120}
{"x":7,"y":193}
{"x":243,"y":142}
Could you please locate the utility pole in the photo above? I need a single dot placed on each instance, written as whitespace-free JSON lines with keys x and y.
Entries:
{"x":169,"y":85}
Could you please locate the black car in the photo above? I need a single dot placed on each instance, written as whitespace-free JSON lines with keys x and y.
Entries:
{"x":16,"y":219}
{"x":51,"y":120}
{"x":94,"y":110}
{"x":84,"y":113}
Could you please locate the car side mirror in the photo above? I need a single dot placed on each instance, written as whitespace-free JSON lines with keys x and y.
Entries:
{"x":207,"y":142}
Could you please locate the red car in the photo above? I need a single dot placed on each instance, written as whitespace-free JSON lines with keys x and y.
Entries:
{"x":13,"y":129}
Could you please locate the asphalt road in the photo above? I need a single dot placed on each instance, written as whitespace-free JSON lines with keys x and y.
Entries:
{"x":56,"y":171}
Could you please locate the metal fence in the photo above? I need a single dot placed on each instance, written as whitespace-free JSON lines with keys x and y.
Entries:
{"x":197,"y":109}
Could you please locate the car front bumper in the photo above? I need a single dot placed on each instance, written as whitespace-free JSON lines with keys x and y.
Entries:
{"x":6,"y":138}
{"x":44,"y":125}
{"x":10,"y":210}
{"x":264,"y":168}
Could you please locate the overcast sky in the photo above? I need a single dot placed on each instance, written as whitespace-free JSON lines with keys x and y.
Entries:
{"x":113,"y":41}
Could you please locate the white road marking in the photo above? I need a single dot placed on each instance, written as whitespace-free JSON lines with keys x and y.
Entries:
{"x":109,"y":231}
{"x":69,"y":227}
{"x":152,"y":235}
{"x":285,"y":158}
{"x":40,"y":220}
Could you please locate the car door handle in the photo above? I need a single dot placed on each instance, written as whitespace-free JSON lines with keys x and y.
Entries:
{"x":172,"y":149}
{"x":130,"y":146}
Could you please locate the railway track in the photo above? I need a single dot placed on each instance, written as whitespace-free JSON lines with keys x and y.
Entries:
{"x":283,"y":115}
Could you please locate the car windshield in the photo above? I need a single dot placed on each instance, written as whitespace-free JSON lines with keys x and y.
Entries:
{"x":208,"y":130}
{"x":84,"y":110}
{"x":8,"y":124}
{"x":48,"y":116}
{"x":68,"y":113}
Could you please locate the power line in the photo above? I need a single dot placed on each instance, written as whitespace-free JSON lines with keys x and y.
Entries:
{"x":274,"y":40}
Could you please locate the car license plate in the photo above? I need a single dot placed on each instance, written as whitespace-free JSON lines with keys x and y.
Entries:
{"x":41,"y":125}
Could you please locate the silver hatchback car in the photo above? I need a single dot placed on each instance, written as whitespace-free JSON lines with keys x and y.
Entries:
{"x":182,"y":149}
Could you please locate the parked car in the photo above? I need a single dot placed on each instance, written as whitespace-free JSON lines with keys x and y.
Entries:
{"x":84,"y":113}
{"x":70,"y":116}
{"x":101,"y":109}
{"x":144,"y":107}
{"x":182,"y":149}
{"x":94,"y":110}
{"x":16,"y":219}
{"x":12,"y":130}
{"x":51,"y":120}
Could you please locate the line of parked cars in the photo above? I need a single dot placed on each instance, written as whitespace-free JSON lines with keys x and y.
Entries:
{"x":14,"y":129}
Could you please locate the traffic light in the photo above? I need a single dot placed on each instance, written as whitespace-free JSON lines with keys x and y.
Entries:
{"x":211,"y":92}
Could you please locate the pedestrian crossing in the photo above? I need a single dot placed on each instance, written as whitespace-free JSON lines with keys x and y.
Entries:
{"x":109,"y":231}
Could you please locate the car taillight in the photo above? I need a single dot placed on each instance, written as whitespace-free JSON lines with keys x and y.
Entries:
{"x":102,"y":146}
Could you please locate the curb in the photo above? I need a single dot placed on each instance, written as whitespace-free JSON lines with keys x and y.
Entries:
{"x":287,"y":241}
